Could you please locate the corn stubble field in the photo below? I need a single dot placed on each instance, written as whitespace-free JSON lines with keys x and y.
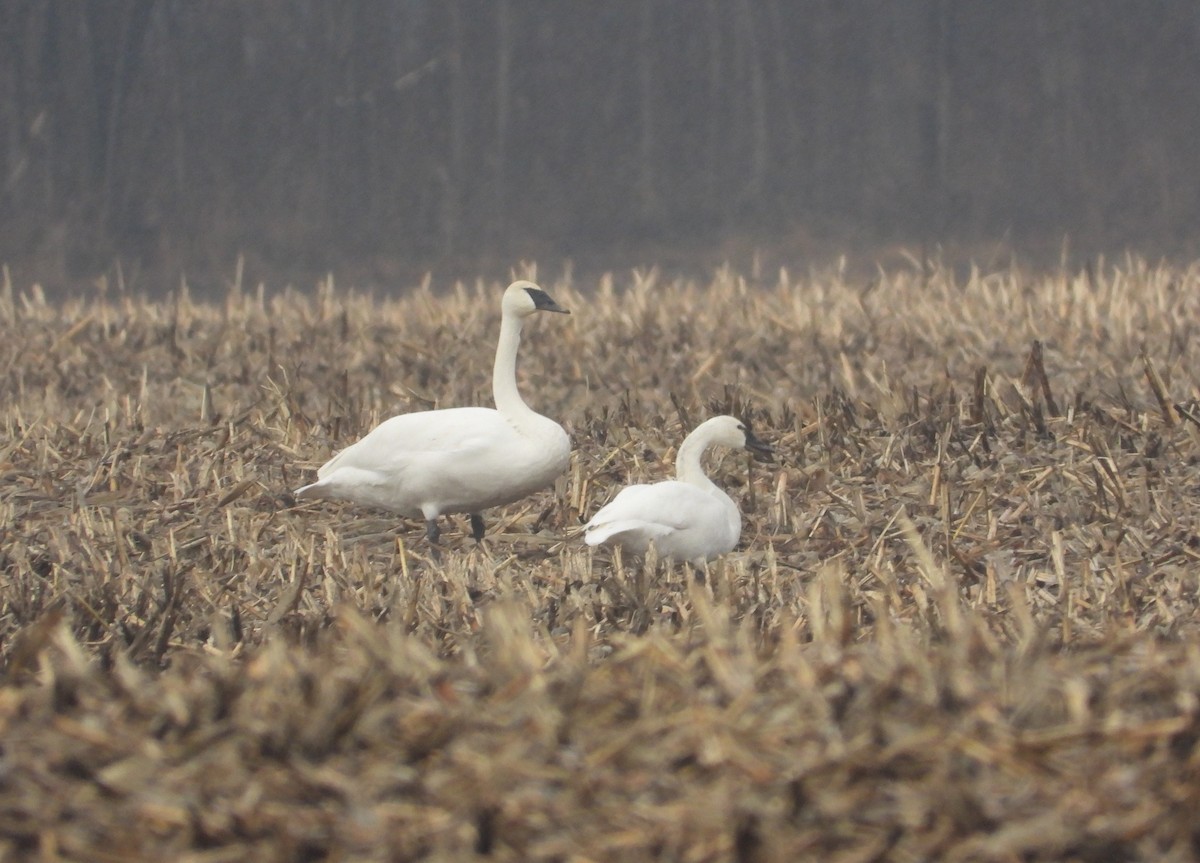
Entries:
{"x":961,"y":624}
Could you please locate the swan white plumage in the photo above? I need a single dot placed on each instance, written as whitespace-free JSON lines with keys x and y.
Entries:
{"x":688,"y":518}
{"x":457,"y":460}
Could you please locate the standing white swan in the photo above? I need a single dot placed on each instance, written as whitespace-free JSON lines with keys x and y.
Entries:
{"x":455,"y":460}
{"x":688,"y":518}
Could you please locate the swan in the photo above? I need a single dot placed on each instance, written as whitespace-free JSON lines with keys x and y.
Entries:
{"x":455,"y":460}
{"x":688,"y":518}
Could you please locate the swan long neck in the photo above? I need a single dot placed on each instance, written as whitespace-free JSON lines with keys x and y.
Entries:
{"x":687,"y":462}
{"x":504,"y":372}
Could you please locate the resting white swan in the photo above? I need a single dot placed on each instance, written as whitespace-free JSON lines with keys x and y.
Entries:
{"x":688,"y":518}
{"x":455,"y":460}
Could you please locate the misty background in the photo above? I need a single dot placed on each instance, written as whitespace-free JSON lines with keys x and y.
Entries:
{"x":379,"y":139}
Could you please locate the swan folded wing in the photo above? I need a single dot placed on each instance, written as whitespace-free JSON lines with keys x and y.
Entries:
{"x":682,"y":521}
{"x":396,"y":442}
{"x":438,"y":462}
{"x":657,"y":510}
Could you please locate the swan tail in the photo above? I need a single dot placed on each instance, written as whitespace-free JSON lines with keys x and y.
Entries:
{"x":602,"y":533}
{"x":312,"y":490}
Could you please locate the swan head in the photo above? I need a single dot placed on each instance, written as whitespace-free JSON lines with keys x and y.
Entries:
{"x":736,"y":434}
{"x":524,"y":298}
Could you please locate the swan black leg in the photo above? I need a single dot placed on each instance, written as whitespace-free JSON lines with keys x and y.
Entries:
{"x":433,"y":533}
{"x":477,"y":526}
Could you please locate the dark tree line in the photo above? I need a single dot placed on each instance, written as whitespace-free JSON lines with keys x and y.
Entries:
{"x":307,"y":132}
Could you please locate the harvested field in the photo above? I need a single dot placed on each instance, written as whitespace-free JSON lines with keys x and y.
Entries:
{"x":961,"y":625}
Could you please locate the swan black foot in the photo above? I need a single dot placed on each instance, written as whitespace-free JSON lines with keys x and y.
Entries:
{"x":477,"y":527}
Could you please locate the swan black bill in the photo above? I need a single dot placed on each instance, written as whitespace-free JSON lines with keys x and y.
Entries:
{"x":760,"y":450}
{"x":543,"y":302}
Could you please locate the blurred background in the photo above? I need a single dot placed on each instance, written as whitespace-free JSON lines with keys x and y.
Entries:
{"x":380,"y":139}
